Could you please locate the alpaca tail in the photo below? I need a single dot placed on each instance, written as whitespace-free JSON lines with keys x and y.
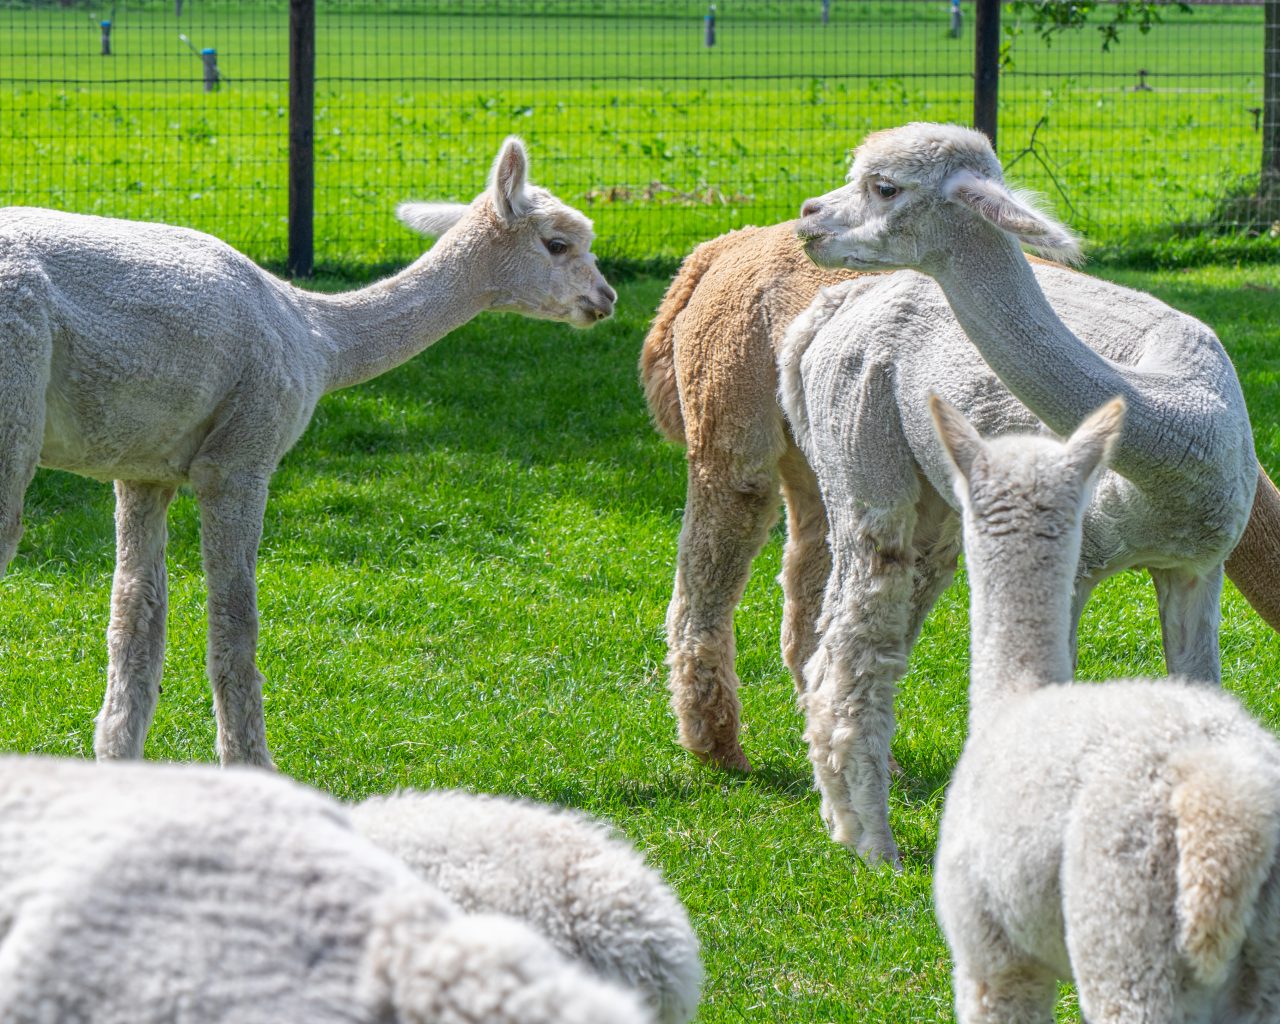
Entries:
{"x":1254,"y":566}
{"x":657,"y":355}
{"x":1227,"y":812}
{"x":427,"y":964}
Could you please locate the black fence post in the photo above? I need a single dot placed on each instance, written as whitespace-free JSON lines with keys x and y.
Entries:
{"x":986,"y":66}
{"x":302,"y":168}
{"x":1271,"y":101}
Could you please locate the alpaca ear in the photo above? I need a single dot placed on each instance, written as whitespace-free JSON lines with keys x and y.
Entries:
{"x":507,"y":180}
{"x":1015,"y":213}
{"x":1090,"y":446}
{"x":961,"y":442}
{"x":432,"y":219}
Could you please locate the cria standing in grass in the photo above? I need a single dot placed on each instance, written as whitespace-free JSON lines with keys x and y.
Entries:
{"x":1123,"y":834}
{"x":155,"y":356}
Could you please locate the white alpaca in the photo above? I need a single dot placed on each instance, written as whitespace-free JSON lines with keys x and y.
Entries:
{"x":150,"y":894}
{"x":1024,"y":342}
{"x":568,"y":877}
{"x":156,"y":356}
{"x":1123,"y":834}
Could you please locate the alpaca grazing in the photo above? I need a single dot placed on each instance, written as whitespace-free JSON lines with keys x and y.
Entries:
{"x":151,"y":894}
{"x":1123,"y":834}
{"x":567,"y":877}
{"x":855,"y":371}
{"x":708,"y":368}
{"x":157,"y":356}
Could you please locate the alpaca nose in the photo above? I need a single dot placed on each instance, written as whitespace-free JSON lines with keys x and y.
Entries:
{"x":811,"y":208}
{"x":601,"y":306}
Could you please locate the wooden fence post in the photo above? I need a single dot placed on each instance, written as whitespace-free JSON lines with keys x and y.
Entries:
{"x":302,"y":102}
{"x":986,"y":66}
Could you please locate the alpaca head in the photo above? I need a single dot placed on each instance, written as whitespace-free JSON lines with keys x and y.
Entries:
{"x":1024,"y":495}
{"x":533,"y":251}
{"x":914,"y":194}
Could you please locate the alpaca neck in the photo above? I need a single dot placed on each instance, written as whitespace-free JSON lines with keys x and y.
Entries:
{"x":375,"y":329}
{"x":998,"y":302}
{"x":1020,"y":621}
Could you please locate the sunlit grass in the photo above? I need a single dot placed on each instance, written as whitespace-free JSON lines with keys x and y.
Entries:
{"x":463,"y":581}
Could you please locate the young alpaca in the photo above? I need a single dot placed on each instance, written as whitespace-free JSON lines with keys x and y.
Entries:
{"x":1123,"y":834}
{"x":157,"y":356}
{"x":151,"y":894}
{"x":1024,"y":342}
{"x":568,"y":877}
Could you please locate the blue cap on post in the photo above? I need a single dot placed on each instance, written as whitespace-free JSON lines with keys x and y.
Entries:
{"x":208,"y":49}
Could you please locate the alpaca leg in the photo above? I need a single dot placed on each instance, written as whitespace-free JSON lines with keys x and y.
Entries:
{"x":231,"y":511}
{"x":726,"y":522}
{"x":851,"y":679}
{"x":1119,"y":896}
{"x":21,"y":436}
{"x":994,"y":982}
{"x":806,"y":563}
{"x":1018,"y":993}
{"x":936,"y":540}
{"x":1190,"y":613}
{"x":1079,"y":598}
{"x":135,"y":638}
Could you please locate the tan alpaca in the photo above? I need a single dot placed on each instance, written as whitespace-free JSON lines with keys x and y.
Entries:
{"x":709,"y":374}
{"x":156,"y":356}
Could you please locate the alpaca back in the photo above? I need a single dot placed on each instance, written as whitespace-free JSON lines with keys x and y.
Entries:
{"x":730,"y":302}
{"x":569,"y":877}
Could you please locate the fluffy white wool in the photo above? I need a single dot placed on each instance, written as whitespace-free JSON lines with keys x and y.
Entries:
{"x":567,"y":876}
{"x":150,"y":894}
{"x":1121,"y":834}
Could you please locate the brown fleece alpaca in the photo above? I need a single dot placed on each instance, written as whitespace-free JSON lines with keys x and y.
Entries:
{"x":708,"y":368}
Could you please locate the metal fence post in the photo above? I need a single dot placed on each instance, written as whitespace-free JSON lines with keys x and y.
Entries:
{"x":1271,"y":101}
{"x":302,"y":101}
{"x":986,"y":66}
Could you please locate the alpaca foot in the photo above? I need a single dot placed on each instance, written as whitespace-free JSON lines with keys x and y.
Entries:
{"x":729,"y":756}
{"x":872,"y":847}
{"x":879,"y":850}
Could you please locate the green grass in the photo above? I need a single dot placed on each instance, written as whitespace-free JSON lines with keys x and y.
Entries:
{"x":629,"y":116}
{"x":463,"y":580}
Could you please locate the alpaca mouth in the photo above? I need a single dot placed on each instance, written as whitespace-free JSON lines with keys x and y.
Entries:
{"x":811,"y":234}
{"x":592,"y":312}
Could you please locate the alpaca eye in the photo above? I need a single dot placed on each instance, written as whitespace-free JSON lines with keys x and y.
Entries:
{"x":557,"y":246}
{"x":886,"y":190}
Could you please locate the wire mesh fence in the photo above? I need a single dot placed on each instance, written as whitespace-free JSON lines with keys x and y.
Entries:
{"x":667,"y":121}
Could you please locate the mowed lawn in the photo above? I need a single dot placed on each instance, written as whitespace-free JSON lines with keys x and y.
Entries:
{"x":463,"y":580}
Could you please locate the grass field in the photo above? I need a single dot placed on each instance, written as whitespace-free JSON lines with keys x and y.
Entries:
{"x":463,"y":580}
{"x":662,"y":140}
{"x":467,"y":562}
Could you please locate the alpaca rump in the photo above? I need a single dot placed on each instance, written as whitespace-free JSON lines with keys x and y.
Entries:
{"x":156,"y":356}
{"x":1122,"y":834}
{"x":571,"y":879}
{"x":147,"y":894}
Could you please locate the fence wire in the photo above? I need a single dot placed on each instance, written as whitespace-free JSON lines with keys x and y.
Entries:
{"x":667,"y":121}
